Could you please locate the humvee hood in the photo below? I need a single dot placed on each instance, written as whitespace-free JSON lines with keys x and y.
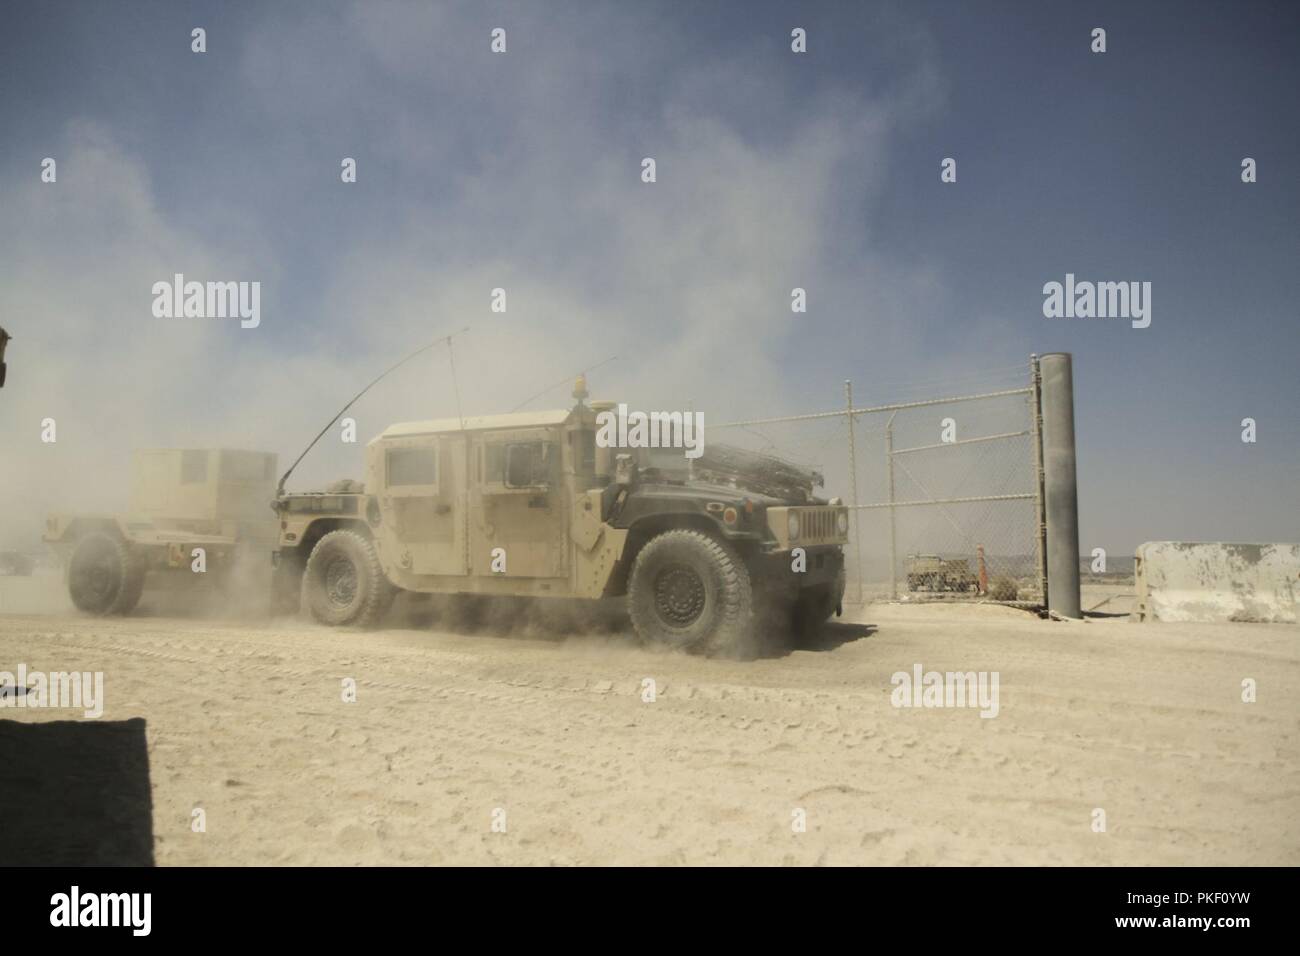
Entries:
{"x":696,"y":490}
{"x":757,"y":473}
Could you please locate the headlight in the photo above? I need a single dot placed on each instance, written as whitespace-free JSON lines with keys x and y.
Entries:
{"x":792,"y":525}
{"x":842,"y":522}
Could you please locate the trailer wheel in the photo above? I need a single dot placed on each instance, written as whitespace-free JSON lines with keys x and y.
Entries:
{"x":105,"y":576}
{"x":690,"y":591}
{"x":343,"y":583}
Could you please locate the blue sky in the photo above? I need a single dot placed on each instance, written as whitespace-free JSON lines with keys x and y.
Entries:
{"x":775,"y":170}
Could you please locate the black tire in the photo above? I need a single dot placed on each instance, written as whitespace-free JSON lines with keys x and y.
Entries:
{"x":343,"y":583}
{"x":691,"y":591}
{"x":105,"y":576}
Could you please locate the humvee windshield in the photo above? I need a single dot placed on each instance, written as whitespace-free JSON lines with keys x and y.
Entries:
{"x":670,"y":463}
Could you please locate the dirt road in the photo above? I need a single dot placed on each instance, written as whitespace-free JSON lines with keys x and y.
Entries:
{"x":553,"y":737}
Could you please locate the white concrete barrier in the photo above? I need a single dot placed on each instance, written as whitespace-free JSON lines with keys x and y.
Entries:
{"x":1213,"y":581}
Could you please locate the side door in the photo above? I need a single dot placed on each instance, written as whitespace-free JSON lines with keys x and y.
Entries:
{"x":422,"y":481}
{"x":520,"y":504}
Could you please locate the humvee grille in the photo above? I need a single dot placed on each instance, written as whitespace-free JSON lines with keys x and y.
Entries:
{"x":817,"y":524}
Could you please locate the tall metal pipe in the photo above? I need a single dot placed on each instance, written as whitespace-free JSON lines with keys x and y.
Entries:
{"x":1060,"y":484}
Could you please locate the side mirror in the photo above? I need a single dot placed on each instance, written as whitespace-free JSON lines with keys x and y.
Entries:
{"x":624,"y":470}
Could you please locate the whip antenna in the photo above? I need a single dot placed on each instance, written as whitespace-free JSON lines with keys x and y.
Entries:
{"x":455,"y":383}
{"x":421,"y":350}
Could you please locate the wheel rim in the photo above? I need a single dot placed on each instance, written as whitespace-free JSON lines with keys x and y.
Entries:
{"x":679,"y":595}
{"x":341,"y":582}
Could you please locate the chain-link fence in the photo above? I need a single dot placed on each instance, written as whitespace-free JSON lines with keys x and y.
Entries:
{"x":945,"y":492}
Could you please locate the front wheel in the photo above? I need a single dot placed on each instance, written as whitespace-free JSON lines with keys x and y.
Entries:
{"x":343,"y":583}
{"x":691,"y":591}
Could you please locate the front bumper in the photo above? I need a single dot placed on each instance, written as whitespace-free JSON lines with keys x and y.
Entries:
{"x":822,"y":566}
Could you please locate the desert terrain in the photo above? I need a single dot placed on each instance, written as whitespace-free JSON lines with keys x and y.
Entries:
{"x":452,"y":725}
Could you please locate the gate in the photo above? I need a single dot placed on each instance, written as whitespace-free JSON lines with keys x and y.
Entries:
{"x":946,"y":492}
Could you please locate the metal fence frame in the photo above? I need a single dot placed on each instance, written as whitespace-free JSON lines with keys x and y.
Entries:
{"x":851,"y":414}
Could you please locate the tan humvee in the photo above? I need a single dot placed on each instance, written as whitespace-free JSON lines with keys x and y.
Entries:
{"x":527,"y":504}
{"x":181,"y":500}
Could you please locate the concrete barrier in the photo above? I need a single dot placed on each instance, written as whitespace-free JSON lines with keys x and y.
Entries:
{"x":1212,"y":581}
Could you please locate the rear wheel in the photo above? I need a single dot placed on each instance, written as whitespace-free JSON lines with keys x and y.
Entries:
{"x":344,"y":583}
{"x":690,"y":591}
{"x":105,"y":576}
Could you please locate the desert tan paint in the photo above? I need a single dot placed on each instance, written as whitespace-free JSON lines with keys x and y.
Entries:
{"x":441,"y":537}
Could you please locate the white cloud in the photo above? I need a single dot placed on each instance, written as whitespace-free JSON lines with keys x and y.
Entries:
{"x":687,"y":280}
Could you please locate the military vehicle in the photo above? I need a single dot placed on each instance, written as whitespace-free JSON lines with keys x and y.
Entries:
{"x":930,"y":572}
{"x":528,"y":504}
{"x":181,"y":500}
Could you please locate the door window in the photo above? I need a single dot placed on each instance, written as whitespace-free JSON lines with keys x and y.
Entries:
{"x":411,"y":466}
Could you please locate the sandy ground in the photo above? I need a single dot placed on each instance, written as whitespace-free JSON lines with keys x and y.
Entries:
{"x":245,"y":719}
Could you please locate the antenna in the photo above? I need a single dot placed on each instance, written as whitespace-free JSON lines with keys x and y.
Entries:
{"x":421,"y":350}
{"x":455,"y":383}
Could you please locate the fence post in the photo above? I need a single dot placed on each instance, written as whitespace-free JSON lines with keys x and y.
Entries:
{"x":1040,"y":511}
{"x":1062,"y":498}
{"x":893,"y":512}
{"x":853,"y":477}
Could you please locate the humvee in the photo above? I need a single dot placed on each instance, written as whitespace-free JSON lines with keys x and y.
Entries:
{"x":930,"y":572}
{"x":527,"y":504}
{"x":181,"y":499}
